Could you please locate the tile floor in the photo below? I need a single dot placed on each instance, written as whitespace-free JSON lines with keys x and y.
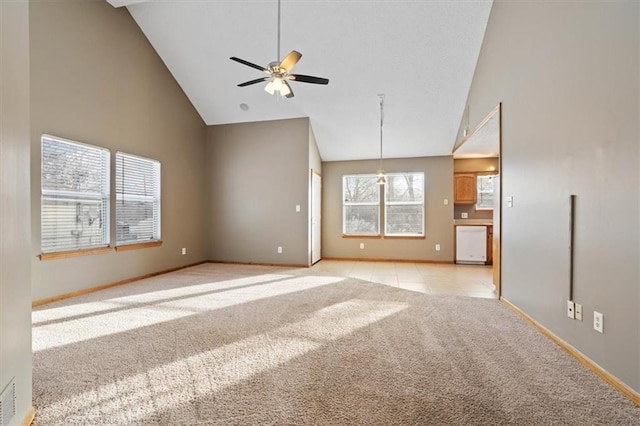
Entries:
{"x":430,"y":278}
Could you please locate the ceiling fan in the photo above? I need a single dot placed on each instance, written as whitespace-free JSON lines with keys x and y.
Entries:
{"x":279,"y":72}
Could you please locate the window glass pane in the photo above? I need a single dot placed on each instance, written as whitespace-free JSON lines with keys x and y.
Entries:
{"x":404,"y":208}
{"x":404,"y":219}
{"x":484,"y":198}
{"x":75,"y":196}
{"x":361,"y":219}
{"x":405,"y":187}
{"x":137,"y":199}
{"x":361,"y":188}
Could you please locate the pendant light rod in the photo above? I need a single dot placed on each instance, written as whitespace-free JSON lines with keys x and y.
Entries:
{"x":381,"y":97}
{"x":278,"y":58}
{"x":382,"y":179}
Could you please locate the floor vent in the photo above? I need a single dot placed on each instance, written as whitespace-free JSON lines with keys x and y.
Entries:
{"x":8,"y":403}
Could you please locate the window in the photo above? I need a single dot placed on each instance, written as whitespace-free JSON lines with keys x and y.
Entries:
{"x":404,"y":204}
{"x":75,"y":196}
{"x":484,"y":196}
{"x":361,"y":205}
{"x":137,"y":199}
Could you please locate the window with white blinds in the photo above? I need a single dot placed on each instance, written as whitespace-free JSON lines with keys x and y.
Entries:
{"x":75,"y":195}
{"x":404,"y":204}
{"x":137,"y":199}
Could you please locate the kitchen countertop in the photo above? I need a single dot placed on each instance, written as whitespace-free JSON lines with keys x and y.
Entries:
{"x":479,"y":222}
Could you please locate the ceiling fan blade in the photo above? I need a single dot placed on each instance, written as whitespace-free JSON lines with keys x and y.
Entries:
{"x":257,"y":80}
{"x":286,"y":90}
{"x":249,"y":64}
{"x":290,"y":60}
{"x":308,"y":79}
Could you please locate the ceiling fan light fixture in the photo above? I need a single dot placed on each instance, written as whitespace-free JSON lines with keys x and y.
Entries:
{"x":277,"y":84}
{"x":285,"y":90}
{"x":269,"y":88}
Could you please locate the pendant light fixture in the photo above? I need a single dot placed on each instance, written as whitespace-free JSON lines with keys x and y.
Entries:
{"x":382,"y":178}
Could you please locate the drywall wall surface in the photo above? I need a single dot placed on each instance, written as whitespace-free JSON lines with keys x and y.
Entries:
{"x":438,"y":175}
{"x":15,"y":281}
{"x":567,"y":76}
{"x":96,"y":79}
{"x":476,"y":165}
{"x":315,"y":161}
{"x":257,"y":173}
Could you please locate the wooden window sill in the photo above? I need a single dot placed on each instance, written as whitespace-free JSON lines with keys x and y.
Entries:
{"x":74,"y":253}
{"x":137,"y":246}
{"x":405,"y":237}
{"x":362,"y":236}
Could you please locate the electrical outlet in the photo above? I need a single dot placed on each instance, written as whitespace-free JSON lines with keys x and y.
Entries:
{"x":279,"y":250}
{"x":578,"y":312}
{"x":571,"y":309}
{"x":464,"y":215}
{"x":361,"y":246}
{"x":298,"y":208}
{"x":598,"y":322}
{"x":184,"y":251}
{"x":437,"y":247}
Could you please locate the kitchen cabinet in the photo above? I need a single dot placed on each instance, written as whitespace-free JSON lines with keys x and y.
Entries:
{"x":464,"y":188}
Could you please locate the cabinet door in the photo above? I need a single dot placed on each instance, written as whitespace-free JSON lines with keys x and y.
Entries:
{"x":464,"y":188}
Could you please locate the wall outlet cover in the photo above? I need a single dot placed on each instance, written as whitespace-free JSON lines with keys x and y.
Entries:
{"x":571,"y":312}
{"x":598,"y":322}
{"x":578,"y":312}
{"x":464,"y":215}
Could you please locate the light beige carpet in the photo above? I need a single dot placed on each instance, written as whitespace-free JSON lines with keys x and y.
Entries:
{"x":249,"y":345}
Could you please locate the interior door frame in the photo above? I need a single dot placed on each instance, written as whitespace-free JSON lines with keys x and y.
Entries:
{"x":315,"y":257}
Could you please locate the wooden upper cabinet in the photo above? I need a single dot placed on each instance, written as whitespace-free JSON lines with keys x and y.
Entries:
{"x":464,"y":188}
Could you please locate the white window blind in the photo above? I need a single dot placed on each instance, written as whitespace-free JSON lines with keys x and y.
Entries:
{"x":361,"y":205}
{"x":137,"y":199}
{"x":404,"y":204}
{"x":75,"y":196}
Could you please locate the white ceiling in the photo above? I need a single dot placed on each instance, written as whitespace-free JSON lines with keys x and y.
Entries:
{"x":420,"y":53}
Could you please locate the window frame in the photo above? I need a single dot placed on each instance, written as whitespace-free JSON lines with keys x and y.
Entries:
{"x":155,"y":199}
{"x":388,"y":203}
{"x":104,"y":197}
{"x":478,"y":192}
{"x":346,"y":204}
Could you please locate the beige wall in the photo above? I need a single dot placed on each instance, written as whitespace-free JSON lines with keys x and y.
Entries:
{"x":256,"y":175}
{"x":438,"y":217}
{"x":15,"y":283}
{"x":567,"y":75}
{"x":474,"y":165}
{"x":96,"y":79}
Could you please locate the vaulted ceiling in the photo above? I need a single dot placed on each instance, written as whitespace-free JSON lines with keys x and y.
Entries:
{"x":420,"y":53}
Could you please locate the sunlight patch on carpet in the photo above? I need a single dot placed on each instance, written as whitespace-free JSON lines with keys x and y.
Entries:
{"x":94,"y":326}
{"x":138,"y":397}
{"x":43,"y":315}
